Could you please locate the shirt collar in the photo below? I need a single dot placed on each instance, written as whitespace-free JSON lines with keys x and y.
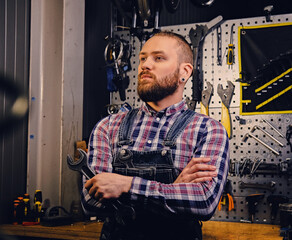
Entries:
{"x":178,"y":107}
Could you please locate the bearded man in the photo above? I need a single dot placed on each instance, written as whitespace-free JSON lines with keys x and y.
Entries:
{"x":167,"y":163}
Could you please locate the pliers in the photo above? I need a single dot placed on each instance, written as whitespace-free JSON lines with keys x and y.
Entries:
{"x":226,"y":196}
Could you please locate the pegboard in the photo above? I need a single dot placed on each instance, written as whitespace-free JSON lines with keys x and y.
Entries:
{"x":239,"y":150}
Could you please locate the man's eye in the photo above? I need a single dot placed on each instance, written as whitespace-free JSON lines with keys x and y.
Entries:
{"x":142,"y":59}
{"x":159,"y":58}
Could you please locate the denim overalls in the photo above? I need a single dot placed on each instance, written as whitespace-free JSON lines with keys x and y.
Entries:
{"x":151,"y":223}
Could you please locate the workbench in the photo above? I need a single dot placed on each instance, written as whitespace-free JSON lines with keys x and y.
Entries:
{"x":212,"y":230}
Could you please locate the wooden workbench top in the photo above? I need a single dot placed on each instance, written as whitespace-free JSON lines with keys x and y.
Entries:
{"x":212,"y":230}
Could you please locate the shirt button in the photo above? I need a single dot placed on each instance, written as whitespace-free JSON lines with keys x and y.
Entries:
{"x":157,"y":119}
{"x":149,"y":141}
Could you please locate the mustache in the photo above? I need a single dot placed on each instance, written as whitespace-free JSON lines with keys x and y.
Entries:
{"x":146,"y":72}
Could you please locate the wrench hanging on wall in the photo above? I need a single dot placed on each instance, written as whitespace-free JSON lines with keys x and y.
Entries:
{"x":226,"y":95}
{"x":197,"y":37}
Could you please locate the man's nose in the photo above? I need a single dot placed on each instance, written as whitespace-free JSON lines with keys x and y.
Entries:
{"x":146,"y":64}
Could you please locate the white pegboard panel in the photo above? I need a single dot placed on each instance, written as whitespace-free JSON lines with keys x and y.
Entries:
{"x":239,"y":150}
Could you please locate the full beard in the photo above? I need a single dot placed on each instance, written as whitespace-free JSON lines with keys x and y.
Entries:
{"x":156,"y":90}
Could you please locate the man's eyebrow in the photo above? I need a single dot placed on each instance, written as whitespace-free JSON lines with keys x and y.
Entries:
{"x":154,"y":52}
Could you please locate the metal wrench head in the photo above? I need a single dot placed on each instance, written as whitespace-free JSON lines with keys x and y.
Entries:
{"x":226,"y":94}
{"x":81,"y":165}
{"x":206,"y":94}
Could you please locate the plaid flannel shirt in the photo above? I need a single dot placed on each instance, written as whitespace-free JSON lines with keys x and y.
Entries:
{"x":203,"y":137}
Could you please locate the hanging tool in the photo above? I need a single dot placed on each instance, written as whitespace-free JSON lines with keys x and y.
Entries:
{"x":267,"y":11}
{"x":288,"y":136}
{"x":268,"y":134}
{"x":122,"y":211}
{"x":226,"y":95}
{"x":203,"y":3}
{"x":252,"y":201}
{"x":117,"y":57}
{"x":227,"y":197}
{"x":270,"y":186}
{"x":219,"y":45}
{"x":274,"y":201}
{"x":275,"y":129}
{"x":197,"y":36}
{"x":255,"y":166}
{"x":247,"y":135}
{"x":206,"y":96}
{"x":171,"y":5}
{"x":230,"y":52}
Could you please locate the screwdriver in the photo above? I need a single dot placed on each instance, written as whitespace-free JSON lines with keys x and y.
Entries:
{"x":230,"y":52}
{"x":38,"y":205}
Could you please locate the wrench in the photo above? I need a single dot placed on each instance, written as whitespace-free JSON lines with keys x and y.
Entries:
{"x":226,"y":95}
{"x":81,"y":165}
{"x":206,"y":96}
{"x":260,"y":141}
{"x":270,"y":186}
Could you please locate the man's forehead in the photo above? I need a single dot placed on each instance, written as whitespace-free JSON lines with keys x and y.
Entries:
{"x":159,"y":44}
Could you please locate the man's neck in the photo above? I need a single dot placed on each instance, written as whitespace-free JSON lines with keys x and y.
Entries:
{"x":164,"y":103}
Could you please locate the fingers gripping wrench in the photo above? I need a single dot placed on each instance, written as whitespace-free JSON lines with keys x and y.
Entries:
{"x":81,"y":165}
{"x":226,"y":95}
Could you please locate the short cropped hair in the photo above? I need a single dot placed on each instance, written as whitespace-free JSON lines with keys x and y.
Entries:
{"x":186,"y":53}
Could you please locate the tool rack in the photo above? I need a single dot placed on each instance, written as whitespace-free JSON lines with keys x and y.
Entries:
{"x":239,"y":150}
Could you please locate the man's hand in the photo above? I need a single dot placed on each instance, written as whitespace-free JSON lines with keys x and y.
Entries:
{"x":197,"y":171}
{"x":108,"y":185}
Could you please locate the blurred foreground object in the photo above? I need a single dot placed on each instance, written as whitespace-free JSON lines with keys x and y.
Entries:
{"x":16,"y":103}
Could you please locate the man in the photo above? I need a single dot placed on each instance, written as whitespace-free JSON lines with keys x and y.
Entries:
{"x":167,"y":162}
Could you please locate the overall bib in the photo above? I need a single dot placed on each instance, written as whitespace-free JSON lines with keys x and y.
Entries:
{"x":151,"y":223}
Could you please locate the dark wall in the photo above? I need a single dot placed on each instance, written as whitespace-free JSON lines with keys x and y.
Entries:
{"x":14,"y":63}
{"x":96,"y":96}
{"x":98,"y":26}
{"x":188,"y":12}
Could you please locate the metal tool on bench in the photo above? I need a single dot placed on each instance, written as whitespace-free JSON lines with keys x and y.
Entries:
{"x":226,"y":95}
{"x":270,"y":186}
{"x":268,"y":134}
{"x":197,"y":37}
{"x":246,"y":136}
{"x":206,"y":96}
{"x":121,"y":210}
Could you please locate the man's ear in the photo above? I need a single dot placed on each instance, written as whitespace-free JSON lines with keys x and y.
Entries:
{"x":186,"y":70}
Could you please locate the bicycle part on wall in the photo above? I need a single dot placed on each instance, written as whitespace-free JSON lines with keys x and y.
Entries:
{"x":203,"y":3}
{"x":117,"y":57}
{"x":253,"y":162}
{"x":171,"y":5}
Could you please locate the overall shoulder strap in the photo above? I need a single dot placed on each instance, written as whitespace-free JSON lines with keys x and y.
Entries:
{"x":126,"y":127}
{"x":178,"y":126}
